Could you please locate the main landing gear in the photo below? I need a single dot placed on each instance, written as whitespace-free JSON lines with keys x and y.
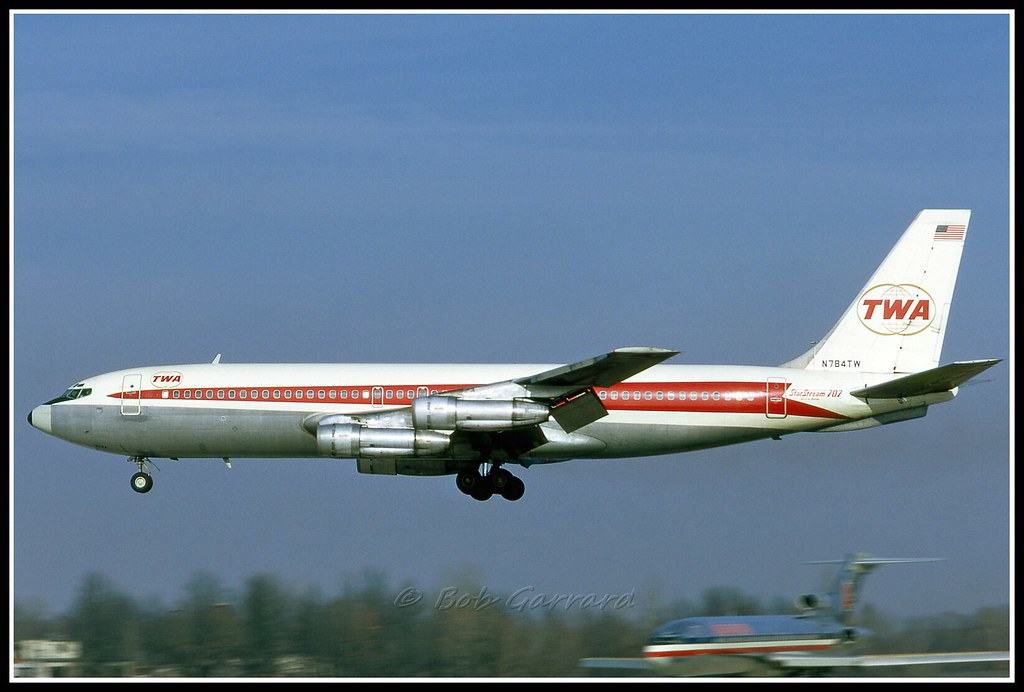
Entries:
{"x":498,"y":481}
{"x":142,"y":482}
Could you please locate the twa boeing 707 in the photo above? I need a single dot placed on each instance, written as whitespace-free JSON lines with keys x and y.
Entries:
{"x":879,"y":364}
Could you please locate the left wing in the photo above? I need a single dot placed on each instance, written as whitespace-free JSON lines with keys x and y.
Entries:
{"x":601,"y":371}
{"x":568,"y":390}
{"x":501,"y":417}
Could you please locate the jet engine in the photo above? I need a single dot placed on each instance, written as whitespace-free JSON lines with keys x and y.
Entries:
{"x":812,"y":601}
{"x":451,"y":413}
{"x":349,"y":441}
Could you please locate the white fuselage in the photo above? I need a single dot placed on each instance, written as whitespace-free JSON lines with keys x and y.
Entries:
{"x":259,"y":410}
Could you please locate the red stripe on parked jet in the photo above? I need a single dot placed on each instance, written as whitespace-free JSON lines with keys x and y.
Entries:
{"x":737,"y":650}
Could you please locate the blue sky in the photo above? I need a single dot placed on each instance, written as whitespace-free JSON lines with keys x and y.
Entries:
{"x":506,"y":188}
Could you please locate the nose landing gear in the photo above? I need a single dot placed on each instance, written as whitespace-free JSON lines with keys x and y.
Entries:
{"x":142,"y":482}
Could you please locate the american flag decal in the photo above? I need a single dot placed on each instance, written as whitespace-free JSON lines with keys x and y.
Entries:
{"x":951,"y":232}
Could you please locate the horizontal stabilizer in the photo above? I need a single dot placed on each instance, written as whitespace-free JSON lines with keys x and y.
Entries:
{"x":861,"y":560}
{"x":940,"y":379}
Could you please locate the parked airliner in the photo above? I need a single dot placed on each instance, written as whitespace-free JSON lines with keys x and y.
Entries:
{"x":878,"y":365}
{"x":766,"y":645}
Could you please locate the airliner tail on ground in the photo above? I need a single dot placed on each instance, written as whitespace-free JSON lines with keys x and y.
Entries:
{"x":814,"y":642}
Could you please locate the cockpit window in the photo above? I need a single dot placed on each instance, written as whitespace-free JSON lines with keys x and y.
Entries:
{"x":76,"y":392}
{"x":664,"y":637}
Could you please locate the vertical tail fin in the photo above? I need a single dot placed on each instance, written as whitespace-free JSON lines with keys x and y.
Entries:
{"x":844,"y":595}
{"x":898,"y":320}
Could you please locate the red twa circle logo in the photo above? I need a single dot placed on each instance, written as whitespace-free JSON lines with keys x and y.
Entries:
{"x":896,"y":309}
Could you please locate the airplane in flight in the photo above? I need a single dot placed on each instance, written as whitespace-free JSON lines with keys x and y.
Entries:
{"x":878,"y":365}
{"x":774,"y":645}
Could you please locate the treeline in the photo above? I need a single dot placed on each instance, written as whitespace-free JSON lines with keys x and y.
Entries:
{"x":374,"y":629}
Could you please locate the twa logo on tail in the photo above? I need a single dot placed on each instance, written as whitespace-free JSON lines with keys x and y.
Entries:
{"x":896,"y":309}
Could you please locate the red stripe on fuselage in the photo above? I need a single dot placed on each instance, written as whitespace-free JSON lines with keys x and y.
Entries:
{"x":737,"y":650}
{"x":688,"y":397}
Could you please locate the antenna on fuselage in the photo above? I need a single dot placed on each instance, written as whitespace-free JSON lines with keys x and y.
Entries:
{"x":216,"y":359}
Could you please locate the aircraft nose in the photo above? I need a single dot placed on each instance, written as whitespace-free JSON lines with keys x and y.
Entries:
{"x":39,"y":417}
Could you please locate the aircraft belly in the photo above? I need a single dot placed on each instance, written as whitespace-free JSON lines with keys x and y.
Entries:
{"x":191,"y":431}
{"x":185,"y":432}
{"x":638,"y":440}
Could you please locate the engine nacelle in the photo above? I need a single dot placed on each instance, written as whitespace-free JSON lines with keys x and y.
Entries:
{"x":451,"y":413}
{"x":350,"y":441}
{"x":812,"y":601}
